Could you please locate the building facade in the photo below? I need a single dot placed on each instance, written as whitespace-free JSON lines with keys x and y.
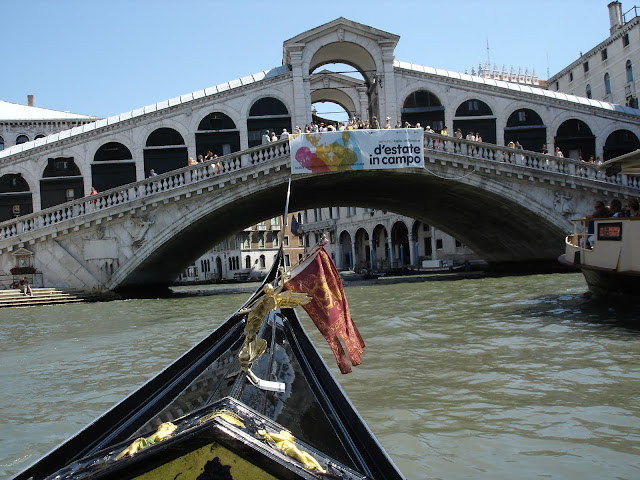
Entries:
{"x":608,"y":72}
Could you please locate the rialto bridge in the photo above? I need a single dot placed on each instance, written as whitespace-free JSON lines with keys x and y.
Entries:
{"x":507,"y":205}
{"x":145,"y":231}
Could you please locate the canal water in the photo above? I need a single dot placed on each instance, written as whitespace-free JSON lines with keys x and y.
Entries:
{"x":493,"y":378}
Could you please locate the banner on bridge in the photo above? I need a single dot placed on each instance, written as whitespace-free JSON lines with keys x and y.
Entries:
{"x":356,"y":150}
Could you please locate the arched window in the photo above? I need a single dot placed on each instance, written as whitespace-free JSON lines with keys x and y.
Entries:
{"x":1,"y":143}
{"x":629,"y":69}
{"x":588,"y":91}
{"x":607,"y":83}
{"x":262,"y":262}
{"x":247,"y":262}
{"x":21,"y":139}
{"x":40,"y":135}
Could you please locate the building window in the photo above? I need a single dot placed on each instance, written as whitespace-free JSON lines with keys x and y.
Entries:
{"x":588,"y":91}
{"x":557,"y":86}
{"x":286,"y":241}
{"x":522,"y":116}
{"x":585,"y":65}
{"x":301,"y":241}
{"x":629,"y":69}
{"x":458,"y":244}
{"x":275,"y":242}
{"x":247,"y":262}
{"x":625,"y":40}
{"x":261,"y":240}
{"x":287,"y":260}
{"x":21,"y":139}
{"x":263,"y":262}
{"x":439,"y":244}
{"x":607,"y":83}
{"x":1,"y":143}
{"x":570,"y":77}
{"x":603,"y":54}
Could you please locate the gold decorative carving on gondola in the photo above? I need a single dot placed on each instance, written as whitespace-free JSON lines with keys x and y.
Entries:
{"x":285,"y":442}
{"x":226,"y":415}
{"x":165,"y":430}
{"x":272,"y":299}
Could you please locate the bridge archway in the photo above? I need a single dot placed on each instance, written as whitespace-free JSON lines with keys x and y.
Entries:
{"x":525,"y":125}
{"x":575,"y":139}
{"x":474,"y":115}
{"x":165,"y":150}
{"x":501,"y":223}
{"x":425,"y":108}
{"x":267,"y":113}
{"x":15,"y":196}
{"x":61,"y":182}
{"x":217,"y":133}
{"x":112,"y":166}
{"x":618,"y":143}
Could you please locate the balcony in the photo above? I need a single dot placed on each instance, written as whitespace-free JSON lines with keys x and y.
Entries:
{"x":262,"y":228}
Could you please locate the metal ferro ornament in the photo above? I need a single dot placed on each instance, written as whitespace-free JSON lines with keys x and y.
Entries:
{"x":272,"y":299}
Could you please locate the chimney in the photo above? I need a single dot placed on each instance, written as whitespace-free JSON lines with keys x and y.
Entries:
{"x":30,"y":100}
{"x":615,"y":16}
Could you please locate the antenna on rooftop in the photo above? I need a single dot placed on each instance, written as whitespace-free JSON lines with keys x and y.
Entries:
{"x":548,"y":66}
{"x":488,"y":53}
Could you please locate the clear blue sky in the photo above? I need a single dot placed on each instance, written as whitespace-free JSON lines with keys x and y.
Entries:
{"x":107,"y":57}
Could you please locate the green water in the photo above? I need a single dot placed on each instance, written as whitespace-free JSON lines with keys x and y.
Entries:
{"x":497,"y":378}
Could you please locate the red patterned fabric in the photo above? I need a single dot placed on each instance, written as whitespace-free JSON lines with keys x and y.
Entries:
{"x":328,"y":308}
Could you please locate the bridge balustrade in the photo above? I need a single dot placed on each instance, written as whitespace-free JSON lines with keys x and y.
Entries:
{"x":524,"y":158}
{"x":235,"y":162}
{"x":146,"y":188}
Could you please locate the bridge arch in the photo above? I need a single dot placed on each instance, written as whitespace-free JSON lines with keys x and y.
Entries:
{"x":618,"y":143}
{"x":354,"y":53}
{"x":113,"y":165}
{"x":526,"y":126}
{"x":15,"y":196}
{"x":267,"y":112}
{"x":217,"y":132}
{"x":61,"y":182}
{"x":164,"y":150}
{"x":340,"y":97}
{"x":466,"y":118}
{"x":423,"y":106}
{"x":575,"y":139}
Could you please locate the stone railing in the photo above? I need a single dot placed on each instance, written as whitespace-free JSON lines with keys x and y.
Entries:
{"x":193,"y":175}
{"x":525,"y":158}
{"x":196,"y":175}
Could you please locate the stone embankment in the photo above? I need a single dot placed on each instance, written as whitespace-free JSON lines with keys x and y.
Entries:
{"x":43,"y":296}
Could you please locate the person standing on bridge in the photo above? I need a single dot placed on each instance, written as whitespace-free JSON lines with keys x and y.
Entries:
{"x":266,"y":138}
{"x":152,"y":173}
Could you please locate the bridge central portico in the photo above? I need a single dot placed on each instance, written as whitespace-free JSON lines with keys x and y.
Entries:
{"x":508,"y":205}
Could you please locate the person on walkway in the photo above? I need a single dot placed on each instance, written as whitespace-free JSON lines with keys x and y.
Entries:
{"x":266,"y":138}
{"x":152,"y":173}
{"x":24,"y":287}
{"x":633,"y":208}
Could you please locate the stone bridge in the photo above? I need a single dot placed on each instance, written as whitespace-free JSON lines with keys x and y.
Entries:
{"x":510,"y":206}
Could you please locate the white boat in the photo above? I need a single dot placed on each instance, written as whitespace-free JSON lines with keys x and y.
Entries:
{"x":607,"y":250}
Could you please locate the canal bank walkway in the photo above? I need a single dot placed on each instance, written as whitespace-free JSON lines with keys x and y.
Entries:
{"x":44,"y":296}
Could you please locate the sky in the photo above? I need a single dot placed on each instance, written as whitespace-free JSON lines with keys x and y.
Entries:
{"x":102,"y":58}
